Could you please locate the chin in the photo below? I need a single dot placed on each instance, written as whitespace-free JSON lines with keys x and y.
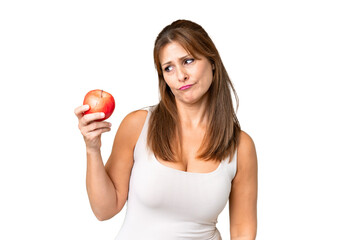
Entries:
{"x":190,"y":100}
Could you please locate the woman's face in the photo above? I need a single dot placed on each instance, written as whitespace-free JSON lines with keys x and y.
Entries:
{"x":188,"y":78}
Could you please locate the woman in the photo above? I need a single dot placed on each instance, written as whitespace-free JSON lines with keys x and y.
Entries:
{"x":178,"y":162}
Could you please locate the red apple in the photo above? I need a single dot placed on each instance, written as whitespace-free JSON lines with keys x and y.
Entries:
{"x":99,"y":101}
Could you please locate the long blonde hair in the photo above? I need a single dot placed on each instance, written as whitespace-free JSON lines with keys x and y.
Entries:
{"x":222,"y":134}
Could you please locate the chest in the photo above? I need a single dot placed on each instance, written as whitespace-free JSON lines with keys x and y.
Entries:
{"x":186,"y":195}
{"x":189,"y":162}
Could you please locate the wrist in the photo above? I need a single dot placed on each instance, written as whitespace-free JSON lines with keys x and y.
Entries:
{"x":93,"y":150}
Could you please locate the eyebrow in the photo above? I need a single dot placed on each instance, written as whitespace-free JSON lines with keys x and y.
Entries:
{"x":179,"y":59}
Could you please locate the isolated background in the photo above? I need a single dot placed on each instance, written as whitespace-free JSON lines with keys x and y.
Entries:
{"x":294,"y":64}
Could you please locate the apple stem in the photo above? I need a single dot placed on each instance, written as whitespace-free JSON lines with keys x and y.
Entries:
{"x":101,"y":93}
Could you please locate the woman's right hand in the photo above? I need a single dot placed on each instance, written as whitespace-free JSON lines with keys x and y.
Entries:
{"x":90,"y":129}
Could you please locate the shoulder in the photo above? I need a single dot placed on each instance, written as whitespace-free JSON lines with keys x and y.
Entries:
{"x":246,"y":154}
{"x":135,"y":118}
{"x":246,"y":143}
{"x":131,"y":126}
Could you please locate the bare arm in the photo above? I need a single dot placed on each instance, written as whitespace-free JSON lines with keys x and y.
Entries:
{"x":101,"y":190}
{"x":243,"y":196}
{"x":121,"y":161}
{"x":107,"y":191}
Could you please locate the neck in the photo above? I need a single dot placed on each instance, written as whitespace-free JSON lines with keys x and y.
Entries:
{"x":192,"y":116}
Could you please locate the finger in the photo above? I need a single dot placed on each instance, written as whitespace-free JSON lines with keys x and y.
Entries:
{"x":88,"y":118}
{"x":79,"y":111}
{"x":96,"y":125}
{"x":94,"y":134}
{"x":87,"y":123}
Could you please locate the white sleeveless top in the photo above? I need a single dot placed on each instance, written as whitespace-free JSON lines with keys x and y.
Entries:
{"x":169,"y":204}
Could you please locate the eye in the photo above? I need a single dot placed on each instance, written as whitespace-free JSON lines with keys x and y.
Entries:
{"x":188,"y":61}
{"x":168,"y":69}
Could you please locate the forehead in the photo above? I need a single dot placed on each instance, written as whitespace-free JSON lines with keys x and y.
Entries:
{"x":172,"y":51}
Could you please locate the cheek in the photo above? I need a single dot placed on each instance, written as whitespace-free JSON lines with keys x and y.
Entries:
{"x":204,"y":69}
{"x":207,"y":75}
{"x":169,"y":82}
{"x":166,"y":79}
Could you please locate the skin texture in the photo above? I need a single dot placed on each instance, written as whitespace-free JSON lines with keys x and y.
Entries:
{"x":180,"y":68}
{"x":179,"y":71}
{"x":243,"y":196}
{"x":108,"y":185}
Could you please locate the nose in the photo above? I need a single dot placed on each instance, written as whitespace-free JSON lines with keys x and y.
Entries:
{"x":182,"y":74}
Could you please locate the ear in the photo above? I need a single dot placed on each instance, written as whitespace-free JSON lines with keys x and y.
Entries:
{"x":213,"y":66}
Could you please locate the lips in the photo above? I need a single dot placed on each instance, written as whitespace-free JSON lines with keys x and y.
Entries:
{"x":185,"y":87}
